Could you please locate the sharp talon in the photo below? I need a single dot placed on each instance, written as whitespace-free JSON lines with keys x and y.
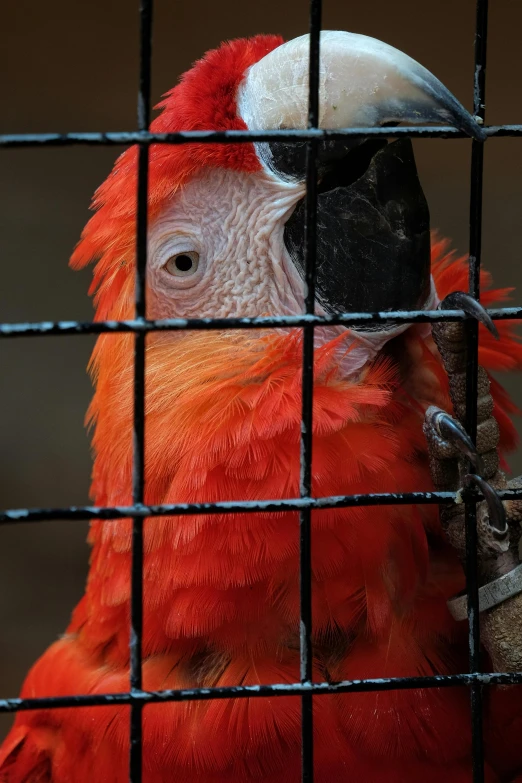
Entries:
{"x":496,"y":510}
{"x":453,"y":431}
{"x":459,"y":300}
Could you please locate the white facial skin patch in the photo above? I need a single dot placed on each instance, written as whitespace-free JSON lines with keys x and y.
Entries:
{"x":233,"y":222}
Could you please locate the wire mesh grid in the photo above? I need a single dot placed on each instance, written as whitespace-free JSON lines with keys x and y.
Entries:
{"x":136,"y":697}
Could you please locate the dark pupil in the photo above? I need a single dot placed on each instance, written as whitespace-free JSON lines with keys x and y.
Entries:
{"x":183,"y":263}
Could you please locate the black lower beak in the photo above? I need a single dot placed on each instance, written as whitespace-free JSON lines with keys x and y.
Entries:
{"x":373,"y":241}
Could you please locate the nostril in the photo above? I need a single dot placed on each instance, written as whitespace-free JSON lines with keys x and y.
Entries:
{"x":347,"y":170}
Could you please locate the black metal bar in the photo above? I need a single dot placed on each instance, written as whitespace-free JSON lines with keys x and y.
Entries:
{"x":78,"y":513}
{"x":262,"y":691}
{"x":138,"y":462}
{"x":305,"y":516}
{"x":112,"y":138}
{"x":475,"y":243}
{"x":46,"y":328}
{"x":83,"y":513}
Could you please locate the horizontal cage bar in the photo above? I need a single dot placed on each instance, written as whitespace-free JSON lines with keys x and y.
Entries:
{"x":238,"y":136}
{"x":46,"y":328}
{"x":13,"y":516}
{"x":261,"y":691}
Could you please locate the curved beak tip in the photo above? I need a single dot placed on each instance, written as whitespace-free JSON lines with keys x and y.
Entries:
{"x":470,"y":125}
{"x":479,"y":133}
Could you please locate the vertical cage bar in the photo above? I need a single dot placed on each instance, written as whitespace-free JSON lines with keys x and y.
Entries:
{"x":305,"y":516}
{"x":138,"y":467}
{"x":475,"y":245}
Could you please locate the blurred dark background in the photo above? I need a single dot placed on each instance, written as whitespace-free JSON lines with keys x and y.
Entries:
{"x":73,"y":66}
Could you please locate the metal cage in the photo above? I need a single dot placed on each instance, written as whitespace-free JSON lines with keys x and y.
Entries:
{"x":305,"y":689}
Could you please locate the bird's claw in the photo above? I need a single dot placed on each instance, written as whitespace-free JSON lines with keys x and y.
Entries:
{"x":460,"y":300}
{"x":451,"y":450}
{"x":453,"y":435}
{"x":497,"y":518}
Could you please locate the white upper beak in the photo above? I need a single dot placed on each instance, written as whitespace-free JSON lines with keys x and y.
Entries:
{"x":363,"y":83}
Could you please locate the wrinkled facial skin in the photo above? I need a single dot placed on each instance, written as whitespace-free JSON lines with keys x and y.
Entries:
{"x":235,"y":223}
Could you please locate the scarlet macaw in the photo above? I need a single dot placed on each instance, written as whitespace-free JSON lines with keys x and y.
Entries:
{"x":221,"y":599}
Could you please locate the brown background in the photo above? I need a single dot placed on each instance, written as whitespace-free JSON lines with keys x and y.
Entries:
{"x":72,"y":66}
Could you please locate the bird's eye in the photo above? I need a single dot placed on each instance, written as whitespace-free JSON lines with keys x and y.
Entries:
{"x":183,"y":264}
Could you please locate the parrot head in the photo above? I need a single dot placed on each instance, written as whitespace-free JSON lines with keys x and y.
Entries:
{"x":226,"y":221}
